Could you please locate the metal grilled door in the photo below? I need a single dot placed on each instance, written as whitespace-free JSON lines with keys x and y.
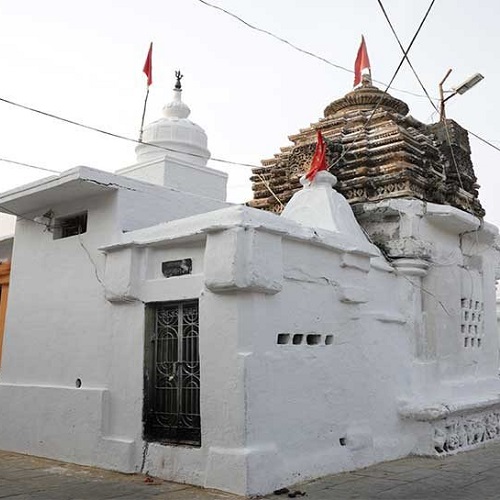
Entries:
{"x":172,"y":385}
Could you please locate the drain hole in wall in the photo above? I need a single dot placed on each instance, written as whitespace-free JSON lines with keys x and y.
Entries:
{"x":78,"y":383}
{"x":342,"y":441}
{"x":297,"y":339}
{"x":283,"y":338}
{"x":329,"y":340}
{"x":313,"y":339}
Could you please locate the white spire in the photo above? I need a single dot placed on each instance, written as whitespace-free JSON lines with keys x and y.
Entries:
{"x":176,"y":109}
{"x":174,"y":153}
{"x":184,"y":141}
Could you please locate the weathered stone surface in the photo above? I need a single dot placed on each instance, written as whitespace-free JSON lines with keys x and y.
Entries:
{"x":377,"y":151}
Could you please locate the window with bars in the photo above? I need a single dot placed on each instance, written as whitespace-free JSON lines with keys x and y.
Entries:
{"x":172,"y":373}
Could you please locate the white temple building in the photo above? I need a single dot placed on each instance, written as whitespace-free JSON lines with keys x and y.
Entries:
{"x":151,"y":326}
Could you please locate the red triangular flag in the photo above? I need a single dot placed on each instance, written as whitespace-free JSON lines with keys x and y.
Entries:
{"x":318,"y":162}
{"x":148,"y":65}
{"x":362,"y":62}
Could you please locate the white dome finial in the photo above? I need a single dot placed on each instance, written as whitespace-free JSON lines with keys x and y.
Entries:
{"x":176,"y":109}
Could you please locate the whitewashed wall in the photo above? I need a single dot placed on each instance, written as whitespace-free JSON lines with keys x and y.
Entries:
{"x":60,"y":328}
{"x":272,"y":414}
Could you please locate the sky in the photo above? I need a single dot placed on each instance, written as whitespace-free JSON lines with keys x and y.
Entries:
{"x":84,"y":60}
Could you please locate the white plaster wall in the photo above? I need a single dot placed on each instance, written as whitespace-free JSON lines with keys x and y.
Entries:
{"x":55,"y":334}
{"x":147,"y":206}
{"x":61,"y":328}
{"x":271,"y":414}
{"x":302,"y":400}
{"x":186,"y":177}
{"x":7,"y":225}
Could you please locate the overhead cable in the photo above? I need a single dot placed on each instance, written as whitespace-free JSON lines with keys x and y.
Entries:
{"x":404,"y":58}
{"x":448,"y":138}
{"x":407,"y":58}
{"x":294,"y":46}
{"x":119,"y":136}
{"x":20,"y":163}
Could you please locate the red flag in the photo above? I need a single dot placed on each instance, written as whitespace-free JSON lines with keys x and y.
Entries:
{"x":362,"y":61}
{"x":318,"y":162}
{"x":148,"y":65}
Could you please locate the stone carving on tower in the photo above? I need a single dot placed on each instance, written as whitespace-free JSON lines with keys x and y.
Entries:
{"x":376,"y":151}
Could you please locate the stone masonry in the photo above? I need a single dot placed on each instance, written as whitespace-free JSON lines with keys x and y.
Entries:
{"x":377,"y":151}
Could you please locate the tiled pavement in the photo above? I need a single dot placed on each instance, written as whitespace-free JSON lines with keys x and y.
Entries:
{"x":466,"y":476}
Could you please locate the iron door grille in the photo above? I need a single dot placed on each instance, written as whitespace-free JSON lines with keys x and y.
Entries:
{"x":172,"y":373}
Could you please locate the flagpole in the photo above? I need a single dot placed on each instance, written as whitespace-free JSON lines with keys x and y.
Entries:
{"x":148,"y":71}
{"x":144,"y":115}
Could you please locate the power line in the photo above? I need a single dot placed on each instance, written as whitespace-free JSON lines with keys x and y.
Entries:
{"x":294,"y":46}
{"x":404,"y":58}
{"x":424,"y":89}
{"x":119,"y":136}
{"x":484,"y":140}
{"x":20,"y":163}
{"x":407,"y":59}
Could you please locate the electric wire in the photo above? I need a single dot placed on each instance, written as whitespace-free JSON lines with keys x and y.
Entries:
{"x":407,"y":58}
{"x":221,"y":160}
{"x":22,"y":164}
{"x":403,"y":59}
{"x":484,"y":140}
{"x":294,"y":46}
{"x":119,"y":136}
{"x":448,"y":137}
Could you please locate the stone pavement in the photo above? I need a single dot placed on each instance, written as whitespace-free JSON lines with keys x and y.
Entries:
{"x":466,"y":476}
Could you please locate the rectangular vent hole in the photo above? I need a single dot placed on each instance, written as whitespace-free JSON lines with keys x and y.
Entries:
{"x":283,"y":338}
{"x":328,"y":339}
{"x":297,"y":339}
{"x":313,"y":339}
{"x":73,"y":225}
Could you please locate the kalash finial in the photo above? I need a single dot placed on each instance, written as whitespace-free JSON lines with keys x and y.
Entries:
{"x":179,"y":77}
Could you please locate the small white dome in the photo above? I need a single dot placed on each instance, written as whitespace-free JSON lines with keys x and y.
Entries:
{"x":182,"y":139}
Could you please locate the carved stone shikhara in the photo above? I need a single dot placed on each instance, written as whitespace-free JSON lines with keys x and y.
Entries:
{"x":377,"y":151}
{"x":465,"y":432}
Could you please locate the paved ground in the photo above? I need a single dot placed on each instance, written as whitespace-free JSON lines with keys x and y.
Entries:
{"x":473,"y":475}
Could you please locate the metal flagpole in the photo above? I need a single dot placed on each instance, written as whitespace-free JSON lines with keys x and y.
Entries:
{"x":148,"y":71}
{"x":143,"y":115}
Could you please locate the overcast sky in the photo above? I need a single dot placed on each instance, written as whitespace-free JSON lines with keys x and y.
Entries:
{"x":83,"y":60}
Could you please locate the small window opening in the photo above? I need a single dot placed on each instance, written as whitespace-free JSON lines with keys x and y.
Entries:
{"x":479,"y":342}
{"x":343,"y":441}
{"x":283,"y":338}
{"x":329,"y":340}
{"x":466,"y":341}
{"x":64,"y":227}
{"x":78,"y":383}
{"x":297,"y":339}
{"x":313,"y":339}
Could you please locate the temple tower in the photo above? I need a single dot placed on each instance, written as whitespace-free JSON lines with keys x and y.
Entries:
{"x":377,"y":151}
